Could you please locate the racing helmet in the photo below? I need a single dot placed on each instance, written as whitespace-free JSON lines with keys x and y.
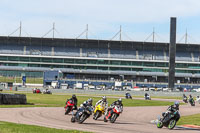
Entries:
{"x":119,"y":100}
{"x":73,"y":96}
{"x":89,"y":101}
{"x":104,"y":98}
{"x":176,"y":104}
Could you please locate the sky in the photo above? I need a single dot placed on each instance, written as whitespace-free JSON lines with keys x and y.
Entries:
{"x":137,"y":18}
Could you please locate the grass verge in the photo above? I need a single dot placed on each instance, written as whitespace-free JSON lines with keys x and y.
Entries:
{"x":7,"y":127}
{"x":45,"y":100}
{"x":191,"y":120}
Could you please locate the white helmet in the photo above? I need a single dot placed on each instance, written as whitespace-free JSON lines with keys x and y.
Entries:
{"x":104,"y":98}
{"x":90,"y":100}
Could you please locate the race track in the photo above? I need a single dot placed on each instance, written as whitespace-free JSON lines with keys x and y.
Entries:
{"x":132,"y":120}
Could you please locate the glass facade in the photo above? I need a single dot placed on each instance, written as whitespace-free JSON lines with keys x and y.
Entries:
{"x":106,"y":64}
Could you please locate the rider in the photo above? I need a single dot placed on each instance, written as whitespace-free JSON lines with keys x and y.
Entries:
{"x":184,"y":96}
{"x":175,"y":106}
{"x":87,"y":103}
{"x":84,"y":105}
{"x":103,"y":101}
{"x":190,"y":97}
{"x":171,"y":109}
{"x":198,"y":99}
{"x":118,"y":102}
{"x":74,"y":100}
{"x":127,"y":94}
{"x":146,"y":95}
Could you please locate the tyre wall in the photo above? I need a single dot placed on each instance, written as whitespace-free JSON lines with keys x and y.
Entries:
{"x":13,"y":99}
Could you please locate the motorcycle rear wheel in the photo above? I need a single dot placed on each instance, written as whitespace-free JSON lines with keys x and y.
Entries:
{"x":73,"y":119}
{"x":159,"y":124}
{"x":105,"y":120}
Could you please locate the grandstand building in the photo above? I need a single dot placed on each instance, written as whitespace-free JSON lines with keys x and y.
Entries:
{"x":97,"y":59}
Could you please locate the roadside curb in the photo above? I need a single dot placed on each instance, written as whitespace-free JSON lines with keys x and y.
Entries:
{"x":187,"y":127}
{"x":192,"y":126}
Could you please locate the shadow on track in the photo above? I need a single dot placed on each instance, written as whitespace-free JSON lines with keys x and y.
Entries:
{"x":127,"y":123}
{"x":185,"y":128}
{"x":94,"y":123}
{"x":119,"y":122}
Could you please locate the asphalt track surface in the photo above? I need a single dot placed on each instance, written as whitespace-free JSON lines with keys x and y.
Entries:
{"x":132,"y":120}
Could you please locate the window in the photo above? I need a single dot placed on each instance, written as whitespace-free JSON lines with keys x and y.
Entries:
{"x":57,"y":60}
{"x":151,"y":64}
{"x":102,"y":68}
{"x":68,"y":60}
{"x":46,"y":60}
{"x":23,"y":58}
{"x":4,"y":58}
{"x":137,"y":63}
{"x":126,"y":63}
{"x":35,"y":59}
{"x":92,"y":61}
{"x":115,"y":62}
{"x":80,"y":61}
{"x":13,"y":58}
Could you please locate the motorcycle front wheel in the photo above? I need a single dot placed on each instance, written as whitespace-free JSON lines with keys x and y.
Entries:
{"x":96,"y":115}
{"x":67,"y":110}
{"x":172,"y":124}
{"x":113,"y":118}
{"x":82,"y":118}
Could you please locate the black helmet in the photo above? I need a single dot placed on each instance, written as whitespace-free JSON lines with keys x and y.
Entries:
{"x":73,"y":96}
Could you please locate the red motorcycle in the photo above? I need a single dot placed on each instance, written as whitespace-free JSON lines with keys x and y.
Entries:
{"x":117,"y":110}
{"x":68,"y":108}
{"x":36,"y":91}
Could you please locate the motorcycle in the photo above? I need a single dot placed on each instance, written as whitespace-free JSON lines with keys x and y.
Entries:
{"x":128,"y":96}
{"x":99,"y":110}
{"x":46,"y":92}
{"x":185,"y":100}
{"x":68,"y":108}
{"x":147,"y":97}
{"x":169,"y":120}
{"x":82,"y":114}
{"x":117,"y":110}
{"x":191,"y":101}
{"x":36,"y":91}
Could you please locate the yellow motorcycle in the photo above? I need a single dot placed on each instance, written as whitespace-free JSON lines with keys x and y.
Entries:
{"x":99,"y":110}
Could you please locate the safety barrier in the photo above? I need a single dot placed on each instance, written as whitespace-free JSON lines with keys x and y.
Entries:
{"x":12,"y":98}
